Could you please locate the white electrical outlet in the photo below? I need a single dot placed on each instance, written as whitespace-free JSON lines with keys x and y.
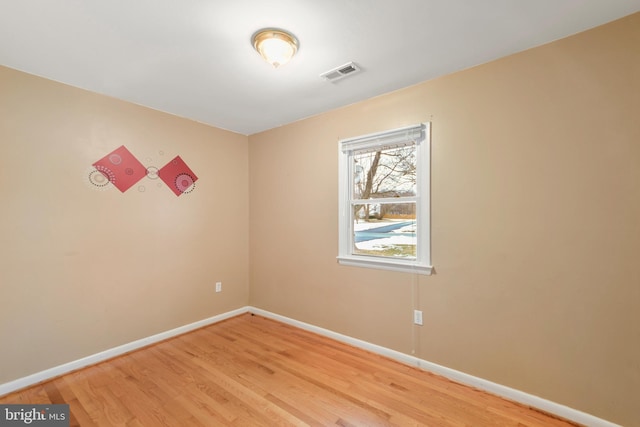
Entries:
{"x":417,"y":317}
{"x":218,"y":286}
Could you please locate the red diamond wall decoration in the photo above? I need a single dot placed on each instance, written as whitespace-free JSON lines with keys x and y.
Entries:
{"x":121,"y":168}
{"x":177,"y":175}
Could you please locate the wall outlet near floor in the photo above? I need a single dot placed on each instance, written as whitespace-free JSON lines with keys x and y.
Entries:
{"x":218,"y":286}
{"x":417,"y":317}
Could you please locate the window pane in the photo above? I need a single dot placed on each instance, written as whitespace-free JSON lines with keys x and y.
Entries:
{"x":385,"y":229}
{"x":387,"y":172}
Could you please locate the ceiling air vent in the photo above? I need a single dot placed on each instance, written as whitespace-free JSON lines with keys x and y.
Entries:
{"x":340,"y":72}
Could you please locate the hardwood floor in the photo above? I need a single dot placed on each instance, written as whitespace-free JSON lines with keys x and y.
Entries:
{"x":252,"y":371}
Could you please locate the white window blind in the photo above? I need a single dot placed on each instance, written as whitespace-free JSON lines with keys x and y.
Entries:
{"x":384,"y":140}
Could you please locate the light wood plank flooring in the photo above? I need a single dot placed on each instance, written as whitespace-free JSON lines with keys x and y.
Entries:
{"x":252,"y":371}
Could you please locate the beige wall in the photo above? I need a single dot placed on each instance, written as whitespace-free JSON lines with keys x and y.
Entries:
{"x":535,"y":223}
{"x":82,"y":270}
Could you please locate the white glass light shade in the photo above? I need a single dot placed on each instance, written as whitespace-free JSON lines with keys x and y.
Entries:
{"x":277,"y":47}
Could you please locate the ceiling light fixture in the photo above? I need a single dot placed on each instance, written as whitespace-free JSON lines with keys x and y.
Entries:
{"x":276,"y":46}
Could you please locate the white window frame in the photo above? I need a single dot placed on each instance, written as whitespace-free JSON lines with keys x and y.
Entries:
{"x":421,"y":134}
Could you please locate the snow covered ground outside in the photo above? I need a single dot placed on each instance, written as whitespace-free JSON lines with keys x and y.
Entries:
{"x":385,"y":243}
{"x":362,"y":225}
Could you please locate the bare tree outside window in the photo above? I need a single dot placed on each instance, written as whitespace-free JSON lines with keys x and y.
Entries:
{"x":382,"y":178}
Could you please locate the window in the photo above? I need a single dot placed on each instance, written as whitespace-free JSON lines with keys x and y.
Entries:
{"x":384,"y":200}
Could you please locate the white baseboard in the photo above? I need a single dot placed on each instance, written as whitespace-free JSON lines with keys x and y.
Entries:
{"x":460,"y":377}
{"x":56,"y":371}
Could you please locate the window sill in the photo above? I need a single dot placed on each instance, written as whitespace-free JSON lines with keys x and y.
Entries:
{"x":384,"y":264}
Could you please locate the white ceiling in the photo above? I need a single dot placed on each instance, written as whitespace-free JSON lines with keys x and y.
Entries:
{"x":193,"y":58}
